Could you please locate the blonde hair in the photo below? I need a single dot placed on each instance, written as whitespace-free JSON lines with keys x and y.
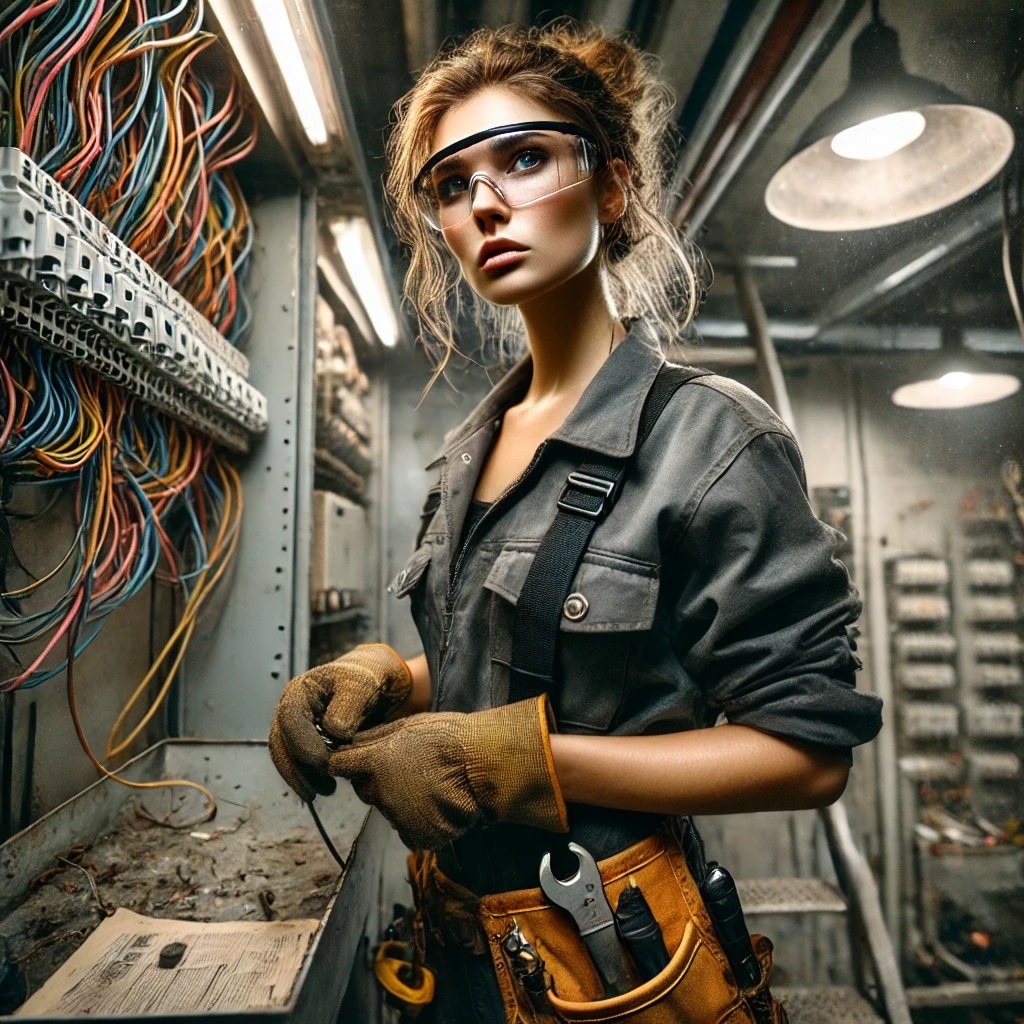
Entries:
{"x":607,"y":86}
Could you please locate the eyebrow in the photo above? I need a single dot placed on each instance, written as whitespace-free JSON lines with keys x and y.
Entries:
{"x":503,"y":143}
{"x":499,"y":144}
{"x":450,"y":163}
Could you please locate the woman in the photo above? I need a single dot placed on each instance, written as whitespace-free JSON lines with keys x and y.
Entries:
{"x":529,"y":163}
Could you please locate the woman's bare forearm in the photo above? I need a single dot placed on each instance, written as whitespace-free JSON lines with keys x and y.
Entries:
{"x":419,"y":697}
{"x":725,"y":770}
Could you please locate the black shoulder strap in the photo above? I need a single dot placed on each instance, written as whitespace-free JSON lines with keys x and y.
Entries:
{"x":586,"y":498}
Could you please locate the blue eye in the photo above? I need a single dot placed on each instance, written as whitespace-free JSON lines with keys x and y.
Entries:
{"x":528,"y":160}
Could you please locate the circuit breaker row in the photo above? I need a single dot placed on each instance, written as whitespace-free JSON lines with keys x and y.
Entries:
{"x":57,"y":255}
{"x":928,"y":661}
{"x":78,"y":338}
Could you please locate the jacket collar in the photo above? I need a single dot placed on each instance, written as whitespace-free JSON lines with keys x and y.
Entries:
{"x":606,"y":417}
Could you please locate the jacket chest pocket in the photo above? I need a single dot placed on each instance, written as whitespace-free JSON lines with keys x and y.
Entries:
{"x":412,"y":572}
{"x":613,"y":601}
{"x":410,"y":582}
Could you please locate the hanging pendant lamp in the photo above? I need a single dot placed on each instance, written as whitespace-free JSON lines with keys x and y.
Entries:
{"x":956,"y":390}
{"x":892,"y":147}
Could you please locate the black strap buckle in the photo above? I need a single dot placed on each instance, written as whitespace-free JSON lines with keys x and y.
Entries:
{"x":588,"y":484}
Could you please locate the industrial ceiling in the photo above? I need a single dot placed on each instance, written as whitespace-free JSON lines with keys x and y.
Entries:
{"x":943,"y":271}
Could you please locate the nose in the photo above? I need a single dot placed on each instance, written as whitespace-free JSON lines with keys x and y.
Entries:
{"x":486,"y":202}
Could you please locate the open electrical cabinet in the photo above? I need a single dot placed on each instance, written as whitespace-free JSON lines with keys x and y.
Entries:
{"x":292,"y":401}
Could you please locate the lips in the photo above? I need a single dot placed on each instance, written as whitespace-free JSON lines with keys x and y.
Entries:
{"x":500,"y":253}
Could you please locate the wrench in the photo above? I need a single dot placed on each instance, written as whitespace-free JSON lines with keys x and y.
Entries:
{"x":583,"y":896}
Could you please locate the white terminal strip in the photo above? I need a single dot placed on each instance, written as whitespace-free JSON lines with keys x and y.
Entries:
{"x":69,"y":282}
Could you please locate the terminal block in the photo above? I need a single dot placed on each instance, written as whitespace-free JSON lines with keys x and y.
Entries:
{"x":993,"y":674}
{"x":921,"y":608}
{"x":987,"y":765}
{"x":985,"y":573}
{"x":920,"y":572}
{"x":930,"y":768}
{"x":923,"y":720}
{"x":995,"y":721}
{"x":67,"y":281}
{"x":925,"y":646}
{"x":993,"y":646}
{"x":923,"y":675}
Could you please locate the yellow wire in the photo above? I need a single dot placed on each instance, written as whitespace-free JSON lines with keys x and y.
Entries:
{"x":232,"y":483}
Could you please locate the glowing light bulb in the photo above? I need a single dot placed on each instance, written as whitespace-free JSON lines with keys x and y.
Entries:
{"x":879,"y":137}
{"x":956,"y":380}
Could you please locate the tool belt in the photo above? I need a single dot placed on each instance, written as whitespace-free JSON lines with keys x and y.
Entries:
{"x":697,"y":986}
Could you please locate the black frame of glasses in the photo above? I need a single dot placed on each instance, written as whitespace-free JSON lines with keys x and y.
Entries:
{"x":565,"y":127}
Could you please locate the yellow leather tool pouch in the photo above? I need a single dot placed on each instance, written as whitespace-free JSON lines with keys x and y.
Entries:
{"x":697,"y":986}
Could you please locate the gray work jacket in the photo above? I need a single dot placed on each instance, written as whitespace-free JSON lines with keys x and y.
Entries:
{"x":711,"y":587}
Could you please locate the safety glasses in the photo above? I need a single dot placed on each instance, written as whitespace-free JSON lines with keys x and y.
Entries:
{"x":522,"y":163}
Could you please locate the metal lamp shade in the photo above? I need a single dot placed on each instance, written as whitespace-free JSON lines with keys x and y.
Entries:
{"x":960,"y":148}
{"x":957,"y":390}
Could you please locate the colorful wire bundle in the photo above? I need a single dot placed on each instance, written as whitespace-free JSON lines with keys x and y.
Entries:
{"x":105,"y":96}
{"x":151,"y":498}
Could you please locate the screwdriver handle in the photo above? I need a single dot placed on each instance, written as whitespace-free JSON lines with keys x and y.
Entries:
{"x":723,"y":905}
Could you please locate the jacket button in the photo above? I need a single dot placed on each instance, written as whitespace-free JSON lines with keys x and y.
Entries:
{"x":467,"y":458}
{"x":575,"y":607}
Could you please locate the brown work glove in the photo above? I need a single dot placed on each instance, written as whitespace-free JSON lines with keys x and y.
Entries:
{"x":360,"y":688}
{"x":436,"y":775}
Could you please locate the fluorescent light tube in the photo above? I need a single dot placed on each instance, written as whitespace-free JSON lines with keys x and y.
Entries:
{"x":277,"y":28}
{"x":355,"y":243}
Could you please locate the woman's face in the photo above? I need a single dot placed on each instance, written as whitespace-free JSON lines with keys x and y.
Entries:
{"x":511,"y":255}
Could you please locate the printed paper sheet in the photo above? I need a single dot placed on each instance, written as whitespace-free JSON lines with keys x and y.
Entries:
{"x":235,"y":965}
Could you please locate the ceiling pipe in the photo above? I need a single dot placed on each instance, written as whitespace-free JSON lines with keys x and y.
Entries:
{"x":724,"y":356}
{"x":769,"y":370}
{"x":918,"y":262}
{"x":801,"y":37}
{"x":776,"y":42}
{"x":736,"y":44}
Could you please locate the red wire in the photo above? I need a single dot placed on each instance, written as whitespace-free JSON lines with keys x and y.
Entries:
{"x":27,"y":16}
{"x":30,"y":121}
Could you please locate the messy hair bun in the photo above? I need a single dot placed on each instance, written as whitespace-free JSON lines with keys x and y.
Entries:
{"x":604,"y":84}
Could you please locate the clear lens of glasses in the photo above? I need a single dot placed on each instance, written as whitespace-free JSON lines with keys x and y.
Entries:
{"x":521,"y":166}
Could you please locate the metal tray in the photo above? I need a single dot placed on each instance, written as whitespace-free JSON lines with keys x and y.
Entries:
{"x":239,"y":771}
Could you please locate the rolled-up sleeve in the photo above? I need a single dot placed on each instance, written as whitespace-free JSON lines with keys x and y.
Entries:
{"x":762,"y":620}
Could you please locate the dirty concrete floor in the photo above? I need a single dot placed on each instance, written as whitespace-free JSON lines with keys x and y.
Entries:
{"x":235,"y":875}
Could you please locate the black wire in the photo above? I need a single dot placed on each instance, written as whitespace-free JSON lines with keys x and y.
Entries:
{"x":876,"y":13}
{"x":325,"y":837}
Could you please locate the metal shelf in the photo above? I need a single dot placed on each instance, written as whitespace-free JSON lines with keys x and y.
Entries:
{"x":337,"y":618}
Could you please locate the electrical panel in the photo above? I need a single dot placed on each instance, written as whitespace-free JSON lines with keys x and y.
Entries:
{"x":69,"y":283}
{"x":957,"y":643}
{"x":342,"y":421}
{"x":337,"y":578}
{"x":342,"y":463}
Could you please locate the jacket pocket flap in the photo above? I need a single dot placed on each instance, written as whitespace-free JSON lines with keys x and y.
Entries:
{"x":621,"y":595}
{"x":412,"y":572}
